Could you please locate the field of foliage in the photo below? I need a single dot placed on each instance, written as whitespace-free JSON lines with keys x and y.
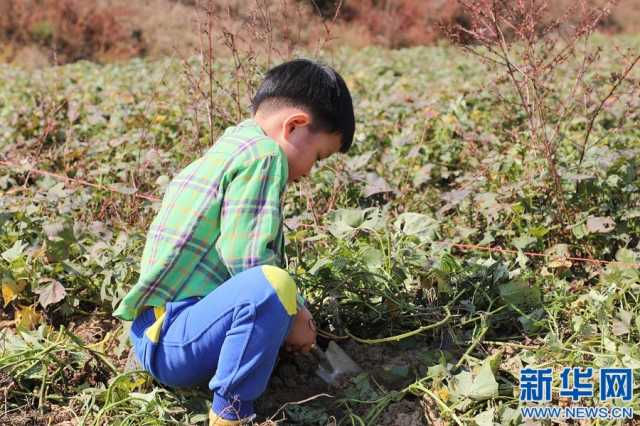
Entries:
{"x":388,"y":242}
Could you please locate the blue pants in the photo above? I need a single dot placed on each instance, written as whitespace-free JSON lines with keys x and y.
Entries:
{"x":229,"y":339}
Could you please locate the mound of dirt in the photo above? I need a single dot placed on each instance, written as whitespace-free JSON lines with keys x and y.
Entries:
{"x":403,"y":413}
{"x":294,"y":380}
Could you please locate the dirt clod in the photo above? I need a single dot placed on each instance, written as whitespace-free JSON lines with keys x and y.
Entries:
{"x":403,"y":413}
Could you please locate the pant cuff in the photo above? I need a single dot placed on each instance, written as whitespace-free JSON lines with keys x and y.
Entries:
{"x":231,"y":408}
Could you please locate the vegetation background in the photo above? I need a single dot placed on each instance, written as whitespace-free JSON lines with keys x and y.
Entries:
{"x":40,"y":32}
{"x":486,"y":219}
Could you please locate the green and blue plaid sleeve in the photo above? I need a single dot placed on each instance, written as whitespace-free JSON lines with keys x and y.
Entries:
{"x":251,"y":216}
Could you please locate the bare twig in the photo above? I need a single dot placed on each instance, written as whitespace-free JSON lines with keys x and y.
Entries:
{"x":519,"y":39}
{"x":600,"y":106}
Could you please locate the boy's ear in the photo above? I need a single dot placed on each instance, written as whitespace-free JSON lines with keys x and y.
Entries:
{"x":299,"y":119}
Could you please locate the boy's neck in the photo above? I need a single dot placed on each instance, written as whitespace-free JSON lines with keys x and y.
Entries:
{"x":268,"y":124}
{"x":273,"y":122}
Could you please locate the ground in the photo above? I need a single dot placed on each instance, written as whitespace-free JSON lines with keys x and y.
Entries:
{"x":437,"y":252}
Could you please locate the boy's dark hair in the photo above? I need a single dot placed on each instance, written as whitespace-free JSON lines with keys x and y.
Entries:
{"x":315,"y":87}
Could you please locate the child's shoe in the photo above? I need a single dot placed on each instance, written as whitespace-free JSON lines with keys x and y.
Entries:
{"x":215,"y":420}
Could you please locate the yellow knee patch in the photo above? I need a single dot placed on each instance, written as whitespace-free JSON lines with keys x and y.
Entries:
{"x":284,"y":286}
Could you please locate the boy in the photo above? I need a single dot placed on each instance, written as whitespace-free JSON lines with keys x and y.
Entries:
{"x":212,"y":303}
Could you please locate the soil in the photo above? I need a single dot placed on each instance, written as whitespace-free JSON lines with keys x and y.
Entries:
{"x":92,"y":328}
{"x":294,"y":380}
{"x":51,"y":415}
{"x":403,"y":413}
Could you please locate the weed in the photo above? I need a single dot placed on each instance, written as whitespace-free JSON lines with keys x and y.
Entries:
{"x":530,"y":47}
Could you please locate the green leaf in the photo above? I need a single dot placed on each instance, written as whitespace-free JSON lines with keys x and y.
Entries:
{"x":320,"y":263}
{"x":374,"y":219}
{"x":494,"y":362}
{"x":522,"y":259}
{"x":465,"y":232}
{"x":538,"y":231}
{"x":162,"y":181}
{"x":199,"y":418}
{"x":521,"y":294}
{"x":509,"y":416}
{"x":489,"y":205}
{"x":523,"y":241}
{"x":420,"y":225}
{"x":423,"y":175}
{"x":480,"y":387}
{"x":97,"y":253}
{"x":14,"y":252}
{"x":625,"y":255}
{"x":631,"y":214}
{"x":614,"y":180}
{"x":580,"y":230}
{"x":371,"y":257}
{"x":484,"y":385}
{"x":622,"y":324}
{"x":306,"y":415}
{"x":437,"y":371}
{"x":361,"y":388}
{"x":344,"y":221}
{"x":57,"y":192}
{"x":485,"y":418}
{"x":630,"y":362}
{"x":393,"y":376}
{"x":60,"y":237}
{"x":59,"y":231}
{"x":121,"y":243}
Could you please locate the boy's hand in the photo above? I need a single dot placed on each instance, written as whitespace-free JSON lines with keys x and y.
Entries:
{"x":303,"y":332}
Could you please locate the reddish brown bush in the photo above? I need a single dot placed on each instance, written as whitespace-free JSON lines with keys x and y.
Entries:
{"x":70,"y":29}
{"x":401,"y":23}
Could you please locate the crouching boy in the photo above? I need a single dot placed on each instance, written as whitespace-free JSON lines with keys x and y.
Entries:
{"x":213,"y":304}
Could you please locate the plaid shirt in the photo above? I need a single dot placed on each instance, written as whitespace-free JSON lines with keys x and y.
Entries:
{"x":219,"y":216}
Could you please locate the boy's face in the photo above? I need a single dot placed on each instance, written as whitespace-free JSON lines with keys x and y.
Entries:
{"x":290,"y":127}
{"x":305,"y":148}
{"x":302,"y":146}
